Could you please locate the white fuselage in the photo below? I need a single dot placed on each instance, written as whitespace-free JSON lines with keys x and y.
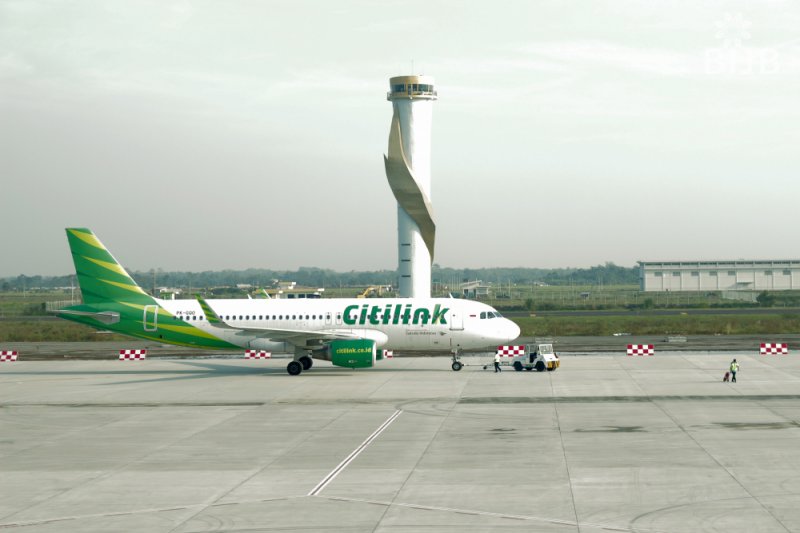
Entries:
{"x":413,"y":324}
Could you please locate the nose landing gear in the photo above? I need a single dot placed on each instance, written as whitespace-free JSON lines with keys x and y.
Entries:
{"x":457,"y":364}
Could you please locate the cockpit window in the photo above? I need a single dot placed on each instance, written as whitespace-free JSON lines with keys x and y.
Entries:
{"x":483,"y":315}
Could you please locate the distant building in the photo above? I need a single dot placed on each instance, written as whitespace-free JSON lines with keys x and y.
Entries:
{"x":476,"y":289}
{"x":773,"y":275}
{"x":168,"y":293}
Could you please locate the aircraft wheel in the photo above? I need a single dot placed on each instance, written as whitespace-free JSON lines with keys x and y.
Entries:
{"x":294,"y":368}
{"x":456,"y":366}
{"x":307,"y":362}
{"x":540,"y":366}
{"x":517,"y":366}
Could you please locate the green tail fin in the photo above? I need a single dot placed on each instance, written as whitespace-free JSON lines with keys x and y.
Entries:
{"x":100,"y":276}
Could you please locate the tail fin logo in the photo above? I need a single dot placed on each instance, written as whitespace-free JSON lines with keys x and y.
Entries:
{"x":101,"y":278}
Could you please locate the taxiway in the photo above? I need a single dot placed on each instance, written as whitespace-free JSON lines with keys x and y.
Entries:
{"x":605,"y":443}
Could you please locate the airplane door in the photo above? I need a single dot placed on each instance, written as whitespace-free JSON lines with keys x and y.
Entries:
{"x":456,"y":320}
{"x":150,"y":319}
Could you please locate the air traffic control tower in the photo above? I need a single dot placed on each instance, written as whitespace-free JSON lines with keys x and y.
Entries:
{"x":408,"y":169}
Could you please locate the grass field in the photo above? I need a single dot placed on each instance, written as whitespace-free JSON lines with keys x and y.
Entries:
{"x":50,"y":331}
{"x":660,"y":325}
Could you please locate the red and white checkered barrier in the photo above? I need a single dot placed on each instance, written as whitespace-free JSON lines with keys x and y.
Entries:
{"x":257,"y":354}
{"x":132,"y":355}
{"x":641,"y":349}
{"x":514,"y":350}
{"x":388,"y":354}
{"x":774,"y":348}
{"x":8,"y":356}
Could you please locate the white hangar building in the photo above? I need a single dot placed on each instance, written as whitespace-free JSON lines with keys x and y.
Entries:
{"x":777,"y":275}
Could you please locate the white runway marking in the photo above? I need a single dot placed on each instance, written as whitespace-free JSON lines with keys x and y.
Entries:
{"x":349,"y":459}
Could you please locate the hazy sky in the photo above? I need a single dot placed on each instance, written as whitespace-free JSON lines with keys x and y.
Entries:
{"x":209,"y":135}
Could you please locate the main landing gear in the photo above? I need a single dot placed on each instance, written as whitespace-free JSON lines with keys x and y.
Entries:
{"x":302,"y":361}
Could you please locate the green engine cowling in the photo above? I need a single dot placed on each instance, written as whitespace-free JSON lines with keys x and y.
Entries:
{"x":358,"y":353}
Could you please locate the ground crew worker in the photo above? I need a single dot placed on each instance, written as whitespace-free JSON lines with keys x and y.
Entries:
{"x":497,"y":363}
{"x":734,"y":370}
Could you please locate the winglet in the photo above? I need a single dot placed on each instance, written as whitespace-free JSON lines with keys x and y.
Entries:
{"x":211,"y":316}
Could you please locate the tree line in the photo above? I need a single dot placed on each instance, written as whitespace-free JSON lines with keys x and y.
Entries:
{"x":608,"y":274}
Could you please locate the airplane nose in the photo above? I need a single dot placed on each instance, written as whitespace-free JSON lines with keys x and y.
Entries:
{"x":507,"y":332}
{"x":513,"y":331}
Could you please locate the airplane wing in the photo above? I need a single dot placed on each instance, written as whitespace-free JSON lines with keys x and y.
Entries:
{"x":297,"y":337}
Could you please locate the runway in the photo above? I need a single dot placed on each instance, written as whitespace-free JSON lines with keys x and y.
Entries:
{"x":605,"y":443}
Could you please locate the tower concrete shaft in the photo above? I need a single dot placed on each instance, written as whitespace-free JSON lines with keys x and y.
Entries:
{"x":408,"y":169}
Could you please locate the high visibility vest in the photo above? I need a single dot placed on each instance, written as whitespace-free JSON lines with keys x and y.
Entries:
{"x":734,"y":367}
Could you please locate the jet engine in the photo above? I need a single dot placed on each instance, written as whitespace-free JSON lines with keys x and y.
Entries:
{"x":359,"y":353}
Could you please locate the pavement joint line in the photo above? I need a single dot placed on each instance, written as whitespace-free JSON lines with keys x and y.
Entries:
{"x":121,"y":468}
{"x":557,"y":521}
{"x":355,"y":453}
{"x":92,"y":479}
{"x":445,"y":415}
{"x":527,"y":518}
{"x":644,"y":397}
{"x":697,"y":443}
{"x":216,"y":503}
{"x":566,"y":459}
{"x":52,"y":520}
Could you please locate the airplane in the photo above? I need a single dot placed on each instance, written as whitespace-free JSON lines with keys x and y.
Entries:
{"x":348,"y":332}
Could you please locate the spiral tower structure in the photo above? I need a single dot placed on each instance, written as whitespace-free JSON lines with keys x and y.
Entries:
{"x":408,"y":169}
